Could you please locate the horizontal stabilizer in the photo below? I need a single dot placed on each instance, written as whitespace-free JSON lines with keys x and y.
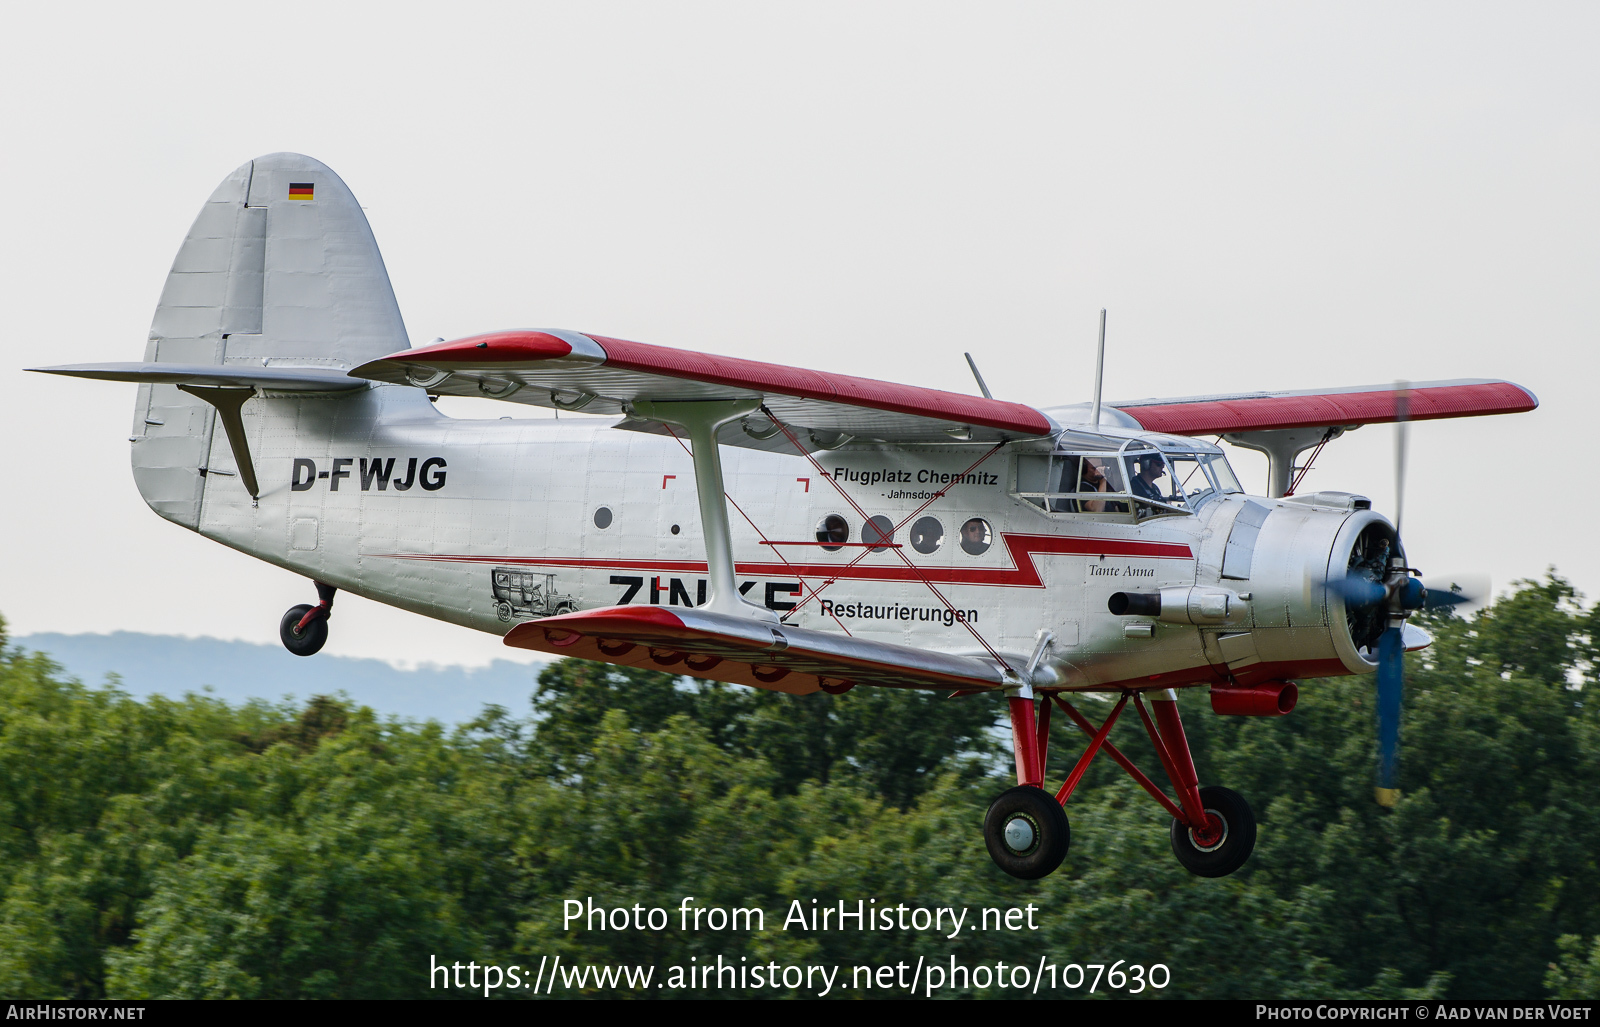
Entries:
{"x":221,"y":376}
{"x":747,"y":652}
{"x":1327,"y":408}
{"x":568,"y":371}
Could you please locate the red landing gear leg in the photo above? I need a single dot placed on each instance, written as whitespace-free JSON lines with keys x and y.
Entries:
{"x":1026,"y":741}
{"x":1172,"y":748}
{"x":1217,"y":831}
{"x":304,"y":628}
{"x":1026,"y":830}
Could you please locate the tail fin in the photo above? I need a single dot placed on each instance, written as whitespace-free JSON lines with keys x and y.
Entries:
{"x":280,"y":268}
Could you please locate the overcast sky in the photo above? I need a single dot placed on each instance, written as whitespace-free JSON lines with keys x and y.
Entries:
{"x":1264,"y":196}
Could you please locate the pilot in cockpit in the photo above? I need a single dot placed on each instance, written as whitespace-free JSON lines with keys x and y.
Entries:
{"x":1151,"y":467}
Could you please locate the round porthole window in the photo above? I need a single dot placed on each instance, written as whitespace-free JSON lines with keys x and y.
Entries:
{"x":602,"y":517}
{"x":976,"y":537}
{"x":879,"y":529}
{"x":833,"y":532}
{"x":927,"y":535}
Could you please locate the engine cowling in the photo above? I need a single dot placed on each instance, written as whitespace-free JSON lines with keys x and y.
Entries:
{"x":1299,"y":625}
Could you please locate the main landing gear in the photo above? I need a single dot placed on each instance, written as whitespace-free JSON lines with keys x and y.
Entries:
{"x":304,"y":628}
{"x":1026,"y":831}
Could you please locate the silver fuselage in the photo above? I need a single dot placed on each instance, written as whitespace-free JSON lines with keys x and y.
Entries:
{"x":486,"y":523}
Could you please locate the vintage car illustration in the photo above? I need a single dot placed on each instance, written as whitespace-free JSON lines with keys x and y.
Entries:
{"x":528,"y":594}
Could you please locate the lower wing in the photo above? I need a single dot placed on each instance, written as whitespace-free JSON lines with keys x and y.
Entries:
{"x":748,"y":652}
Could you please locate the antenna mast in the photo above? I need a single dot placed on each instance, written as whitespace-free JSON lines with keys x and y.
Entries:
{"x":981,"y":386}
{"x":1099,"y":370}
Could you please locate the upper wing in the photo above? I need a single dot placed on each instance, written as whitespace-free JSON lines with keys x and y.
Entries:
{"x":566,"y":370}
{"x":272,"y":379}
{"x":747,"y":652}
{"x":1327,"y":408}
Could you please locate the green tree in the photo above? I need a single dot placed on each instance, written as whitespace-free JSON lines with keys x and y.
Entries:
{"x":193,"y":848}
{"x":1575,"y":976}
{"x":896,"y":743}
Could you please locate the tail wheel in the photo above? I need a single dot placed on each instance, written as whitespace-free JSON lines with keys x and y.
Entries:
{"x":1228,"y":841}
{"x":1026,"y":832}
{"x":302,"y":641}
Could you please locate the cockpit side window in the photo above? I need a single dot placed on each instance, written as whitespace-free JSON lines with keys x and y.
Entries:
{"x":1221,"y":473}
{"x":1190,"y":483}
{"x":1150,"y":477}
{"x":1100,"y":475}
{"x":1071,"y":482}
{"x":1136,"y":475}
{"x":1033,"y":480}
{"x":1199,"y":477}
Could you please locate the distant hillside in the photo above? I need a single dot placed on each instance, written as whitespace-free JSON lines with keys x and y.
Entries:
{"x":237,"y":671}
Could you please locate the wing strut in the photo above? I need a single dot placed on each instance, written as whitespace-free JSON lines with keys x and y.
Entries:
{"x":1283,"y":446}
{"x":701,"y":420}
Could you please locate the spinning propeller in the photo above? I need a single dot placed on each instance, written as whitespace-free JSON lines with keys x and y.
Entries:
{"x":1379,"y":593}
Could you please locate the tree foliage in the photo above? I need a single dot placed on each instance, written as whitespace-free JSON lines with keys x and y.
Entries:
{"x":192,"y":848}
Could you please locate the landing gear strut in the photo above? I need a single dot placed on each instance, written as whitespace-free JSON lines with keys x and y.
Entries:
{"x":304,"y":628}
{"x":1026,"y":830}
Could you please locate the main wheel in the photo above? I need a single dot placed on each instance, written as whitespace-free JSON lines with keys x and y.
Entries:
{"x":1229,"y":841}
{"x":1026,"y":832}
{"x":302,"y":641}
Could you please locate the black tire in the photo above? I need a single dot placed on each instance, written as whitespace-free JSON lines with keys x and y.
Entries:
{"x":1038,"y":814}
{"x":1238,"y":841}
{"x":308,"y":641}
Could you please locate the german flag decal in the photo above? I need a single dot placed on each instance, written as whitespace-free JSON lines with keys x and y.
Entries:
{"x":301,"y":191}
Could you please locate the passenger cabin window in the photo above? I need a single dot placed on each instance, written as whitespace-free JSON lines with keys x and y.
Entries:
{"x":833,"y":532}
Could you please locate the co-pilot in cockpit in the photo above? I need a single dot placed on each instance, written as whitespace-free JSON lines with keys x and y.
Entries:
{"x":1094,"y":473}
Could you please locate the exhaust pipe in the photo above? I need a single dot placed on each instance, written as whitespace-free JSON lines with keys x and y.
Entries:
{"x":1273,"y":699}
{"x":1189,"y":604}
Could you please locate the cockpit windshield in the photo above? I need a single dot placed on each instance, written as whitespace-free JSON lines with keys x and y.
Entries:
{"x":1149,"y":477}
{"x":1196,"y":477}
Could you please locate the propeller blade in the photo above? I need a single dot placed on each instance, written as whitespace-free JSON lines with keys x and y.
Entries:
{"x":1358,"y":591}
{"x":1402,"y":411}
{"x":1470,"y":590}
{"x":1391,"y":652}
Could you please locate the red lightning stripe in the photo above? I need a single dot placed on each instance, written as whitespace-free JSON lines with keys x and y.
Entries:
{"x":1024,"y":550}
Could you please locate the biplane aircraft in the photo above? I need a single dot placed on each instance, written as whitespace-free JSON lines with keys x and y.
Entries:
{"x":769,"y":525}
